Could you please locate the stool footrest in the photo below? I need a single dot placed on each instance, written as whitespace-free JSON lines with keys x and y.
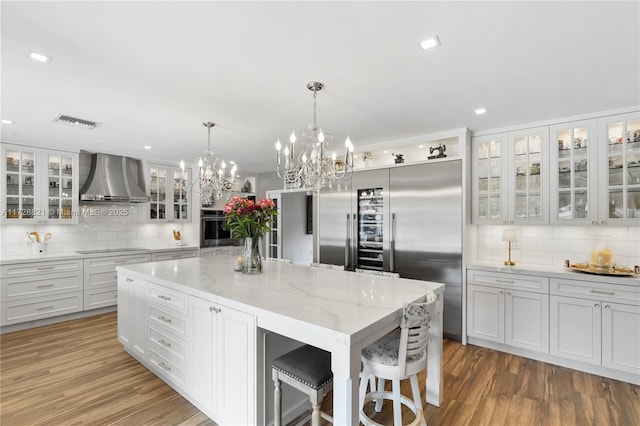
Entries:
{"x":372,"y":396}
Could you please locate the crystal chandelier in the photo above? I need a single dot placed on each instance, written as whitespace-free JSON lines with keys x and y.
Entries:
{"x":213,"y":177}
{"x":307,"y":163}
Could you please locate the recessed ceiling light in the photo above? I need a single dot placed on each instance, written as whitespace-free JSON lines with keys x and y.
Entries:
{"x":420,"y":146}
{"x":147,"y":147}
{"x":386,"y":152}
{"x":39,"y":57}
{"x":481,"y":111}
{"x":429,"y":43}
{"x":7,"y":122}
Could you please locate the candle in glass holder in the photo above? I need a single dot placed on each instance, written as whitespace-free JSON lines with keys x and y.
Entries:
{"x":237,"y":266}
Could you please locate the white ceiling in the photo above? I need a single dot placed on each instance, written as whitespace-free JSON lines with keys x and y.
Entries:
{"x":151,"y":72}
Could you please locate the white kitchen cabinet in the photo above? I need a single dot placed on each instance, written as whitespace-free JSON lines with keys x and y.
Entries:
{"x":38,"y":290}
{"x":619,"y":169}
{"x":590,"y":324}
{"x":169,"y":191}
{"x":504,"y":315}
{"x":38,"y":185}
{"x":576,"y":329}
{"x":100,"y":278}
{"x":509,"y":181}
{"x":174,"y":254}
{"x":621,"y":337}
{"x":574,"y":173}
{"x":222,"y":360}
{"x":132,"y":314}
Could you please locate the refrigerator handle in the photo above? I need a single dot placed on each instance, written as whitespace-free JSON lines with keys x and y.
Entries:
{"x":392,"y":244}
{"x":347,"y":245}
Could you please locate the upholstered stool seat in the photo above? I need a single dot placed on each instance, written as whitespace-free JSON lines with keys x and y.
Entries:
{"x":307,"y":369}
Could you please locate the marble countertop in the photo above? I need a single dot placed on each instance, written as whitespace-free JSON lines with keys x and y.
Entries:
{"x":342,"y":301}
{"x":49,"y":257}
{"x":555,"y":272}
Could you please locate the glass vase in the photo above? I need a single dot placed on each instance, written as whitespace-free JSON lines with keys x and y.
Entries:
{"x":252,"y":263}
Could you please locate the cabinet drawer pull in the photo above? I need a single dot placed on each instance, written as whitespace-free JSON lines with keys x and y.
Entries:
{"x":165,"y":344}
{"x":597,"y":305}
{"x":165,"y":366}
{"x":45,"y":285}
{"x":504,"y":281}
{"x":164,"y":297}
{"x":45,"y":268}
{"x":44,"y":308}
{"x":610,"y":293}
{"x":607,"y":307}
{"x":166,"y":320}
{"x":501,"y":292}
{"x":129,"y":280}
{"x":214,"y":309}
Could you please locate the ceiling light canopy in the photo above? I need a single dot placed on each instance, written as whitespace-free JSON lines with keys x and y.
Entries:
{"x":429,"y":43}
{"x":480,"y":111}
{"x":7,"y":121}
{"x":310,"y":166}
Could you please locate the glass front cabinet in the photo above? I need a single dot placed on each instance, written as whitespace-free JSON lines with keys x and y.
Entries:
{"x":39,"y":186}
{"x":509,"y":182}
{"x":169,"y":194}
{"x":574,"y":173}
{"x":619,"y":176}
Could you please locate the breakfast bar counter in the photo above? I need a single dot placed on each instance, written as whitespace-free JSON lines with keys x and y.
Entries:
{"x":339,"y":311}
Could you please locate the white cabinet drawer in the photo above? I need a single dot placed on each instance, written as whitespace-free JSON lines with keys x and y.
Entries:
{"x":166,"y":369}
{"x":168,"y":298}
{"x":27,"y":287}
{"x":173,"y":255}
{"x":168,"y":321}
{"x":100,"y":297}
{"x":20,"y":269}
{"x":532,"y":283}
{"x":41,"y":307}
{"x":111,"y":262}
{"x":100,"y":279}
{"x":628,"y":294}
{"x":172,"y":349}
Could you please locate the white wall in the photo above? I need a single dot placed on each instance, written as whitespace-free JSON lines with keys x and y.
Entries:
{"x":552,"y":245}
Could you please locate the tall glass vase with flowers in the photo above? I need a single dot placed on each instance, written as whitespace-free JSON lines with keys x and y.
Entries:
{"x":249,"y":220}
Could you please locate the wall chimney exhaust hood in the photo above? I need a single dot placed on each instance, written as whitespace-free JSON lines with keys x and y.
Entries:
{"x":114,"y":178}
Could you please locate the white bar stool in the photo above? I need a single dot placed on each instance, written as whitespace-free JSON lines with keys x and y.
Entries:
{"x":398,"y":356}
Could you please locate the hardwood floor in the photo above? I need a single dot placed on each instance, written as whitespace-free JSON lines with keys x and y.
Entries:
{"x":76,"y":373}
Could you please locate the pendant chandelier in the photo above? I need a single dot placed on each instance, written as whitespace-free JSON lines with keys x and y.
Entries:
{"x":213,"y":177}
{"x":307,"y":162}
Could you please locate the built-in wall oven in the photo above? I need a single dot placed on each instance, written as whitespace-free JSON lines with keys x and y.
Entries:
{"x":212,"y":233}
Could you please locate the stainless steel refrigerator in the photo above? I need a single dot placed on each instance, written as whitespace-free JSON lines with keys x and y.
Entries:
{"x":405,"y":219}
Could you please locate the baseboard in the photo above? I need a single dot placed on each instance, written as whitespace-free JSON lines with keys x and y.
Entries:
{"x":54,"y":320}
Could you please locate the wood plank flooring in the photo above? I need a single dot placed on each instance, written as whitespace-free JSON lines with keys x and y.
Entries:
{"x":76,"y":373}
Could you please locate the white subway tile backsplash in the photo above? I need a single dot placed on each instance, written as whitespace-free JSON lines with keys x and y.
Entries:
{"x":552,"y":245}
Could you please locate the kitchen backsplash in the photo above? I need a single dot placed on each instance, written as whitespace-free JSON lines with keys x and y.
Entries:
{"x":552,"y":245}
{"x":97,"y":231}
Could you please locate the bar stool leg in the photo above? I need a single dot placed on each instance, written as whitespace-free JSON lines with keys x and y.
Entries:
{"x":415,"y":389}
{"x":277,"y":401}
{"x":397,"y":406}
{"x":316,"y":401}
{"x":380,"y":400}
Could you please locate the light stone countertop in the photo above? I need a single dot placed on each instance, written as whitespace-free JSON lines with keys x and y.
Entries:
{"x":555,"y":272}
{"x":71,"y":255}
{"x":345,"y":302}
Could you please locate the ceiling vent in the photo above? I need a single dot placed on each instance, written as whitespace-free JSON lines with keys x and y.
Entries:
{"x":78,"y":122}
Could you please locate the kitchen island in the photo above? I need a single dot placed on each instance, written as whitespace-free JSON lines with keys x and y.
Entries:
{"x":195,"y":323}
